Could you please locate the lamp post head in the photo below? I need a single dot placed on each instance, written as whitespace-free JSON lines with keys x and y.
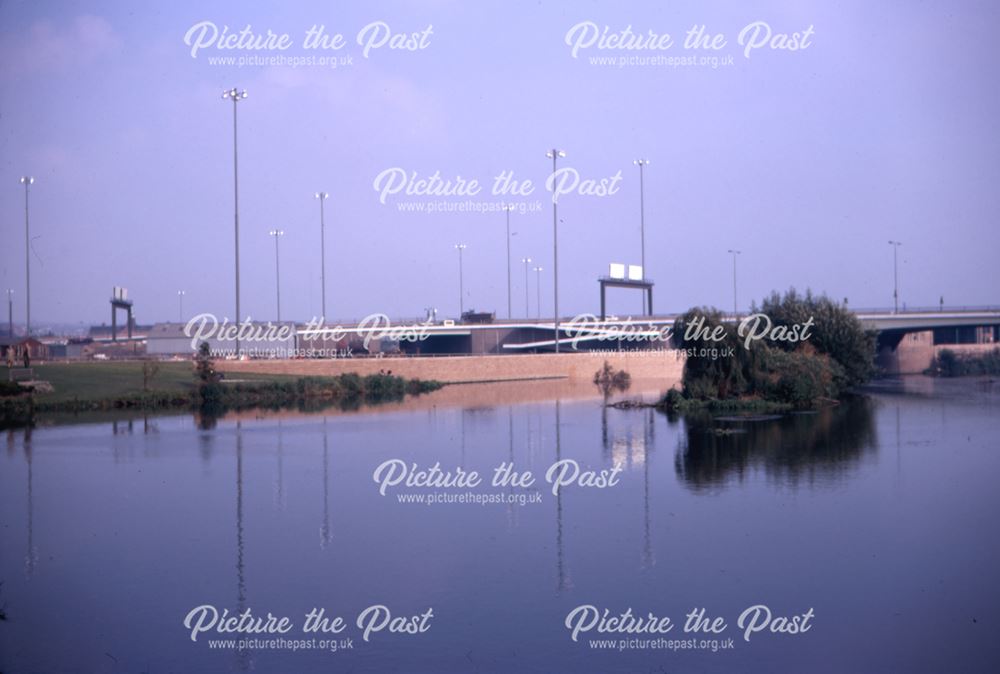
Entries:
{"x":539,"y":269}
{"x":641,"y":162}
{"x":277,"y":232}
{"x":235,"y":94}
{"x":322,"y":195}
{"x":734,"y":252}
{"x":27,"y":180}
{"x":525,"y":260}
{"x":551,"y":154}
{"x":460,"y":246}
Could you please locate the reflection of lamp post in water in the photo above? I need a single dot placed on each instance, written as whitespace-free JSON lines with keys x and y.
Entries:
{"x":648,"y":559}
{"x":31,"y":558}
{"x":511,"y":509}
{"x":324,"y":530}
{"x":279,"y":486}
{"x":563,"y":581}
{"x":242,"y":655}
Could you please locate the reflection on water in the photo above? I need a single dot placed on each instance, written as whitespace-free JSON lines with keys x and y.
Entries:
{"x":820,"y":446}
{"x":843,"y":510}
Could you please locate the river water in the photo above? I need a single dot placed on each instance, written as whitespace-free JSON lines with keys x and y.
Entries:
{"x":876,"y":519}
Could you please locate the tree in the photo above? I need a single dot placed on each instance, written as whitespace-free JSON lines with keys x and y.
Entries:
{"x":720,"y":365}
{"x":837,"y":332}
{"x":204,"y":366}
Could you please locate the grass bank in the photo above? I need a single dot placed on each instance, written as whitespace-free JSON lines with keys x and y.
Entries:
{"x":95,"y":386}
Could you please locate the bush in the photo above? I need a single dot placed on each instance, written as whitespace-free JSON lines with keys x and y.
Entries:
{"x":798,"y":377}
{"x":12,"y":388}
{"x":837,"y":355}
{"x":949,"y":363}
{"x":610,"y":380}
{"x":836,"y":332}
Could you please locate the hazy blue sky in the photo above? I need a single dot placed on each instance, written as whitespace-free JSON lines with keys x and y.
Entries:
{"x":809,"y":161}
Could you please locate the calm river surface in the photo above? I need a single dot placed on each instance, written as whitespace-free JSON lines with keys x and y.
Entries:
{"x":879,"y":515}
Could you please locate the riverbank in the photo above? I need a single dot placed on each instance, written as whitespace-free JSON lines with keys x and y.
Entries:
{"x":156,"y":386}
{"x":953,"y":363}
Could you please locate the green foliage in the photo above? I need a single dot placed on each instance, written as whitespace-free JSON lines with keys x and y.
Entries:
{"x":836,"y":332}
{"x":204,"y":367}
{"x":798,"y":377}
{"x":717,"y":366}
{"x":12,"y":388}
{"x":721,"y":366}
{"x":949,"y":363}
{"x":608,"y":379}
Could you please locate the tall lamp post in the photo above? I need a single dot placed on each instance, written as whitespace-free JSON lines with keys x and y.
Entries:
{"x":27,"y":181}
{"x":895,"y":276}
{"x":554,"y":155}
{"x":277,"y":234}
{"x":236,"y":95}
{"x":180,"y":306}
{"x":526,"y":261}
{"x":538,"y":291}
{"x":734,"y":253}
{"x":642,"y":163}
{"x":506,"y":209}
{"x":322,"y":196}
{"x":10,"y":312}
{"x":461,"y":280}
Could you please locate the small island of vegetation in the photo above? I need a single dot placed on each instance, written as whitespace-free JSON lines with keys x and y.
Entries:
{"x":791,"y":368}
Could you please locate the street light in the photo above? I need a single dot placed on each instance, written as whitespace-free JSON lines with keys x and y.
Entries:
{"x":735,"y":253}
{"x":642,"y":163}
{"x":180,"y":306}
{"x":236,"y":95}
{"x":538,"y":291}
{"x":526,"y":261}
{"x":461,"y":280}
{"x":27,"y":181}
{"x":554,"y":155}
{"x":895,"y":276}
{"x":10,"y":312}
{"x":277,"y":234}
{"x":322,"y":196}
{"x":506,"y":209}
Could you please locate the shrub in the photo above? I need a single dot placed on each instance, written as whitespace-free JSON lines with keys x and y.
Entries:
{"x":836,"y":331}
{"x":609,"y":379}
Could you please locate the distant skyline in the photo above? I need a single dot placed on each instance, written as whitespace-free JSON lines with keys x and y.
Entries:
{"x":807,"y":161}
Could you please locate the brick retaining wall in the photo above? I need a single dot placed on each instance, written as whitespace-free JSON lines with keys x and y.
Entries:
{"x":663,"y":366}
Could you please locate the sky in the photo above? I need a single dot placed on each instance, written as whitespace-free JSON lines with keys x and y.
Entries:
{"x":880,"y":126}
